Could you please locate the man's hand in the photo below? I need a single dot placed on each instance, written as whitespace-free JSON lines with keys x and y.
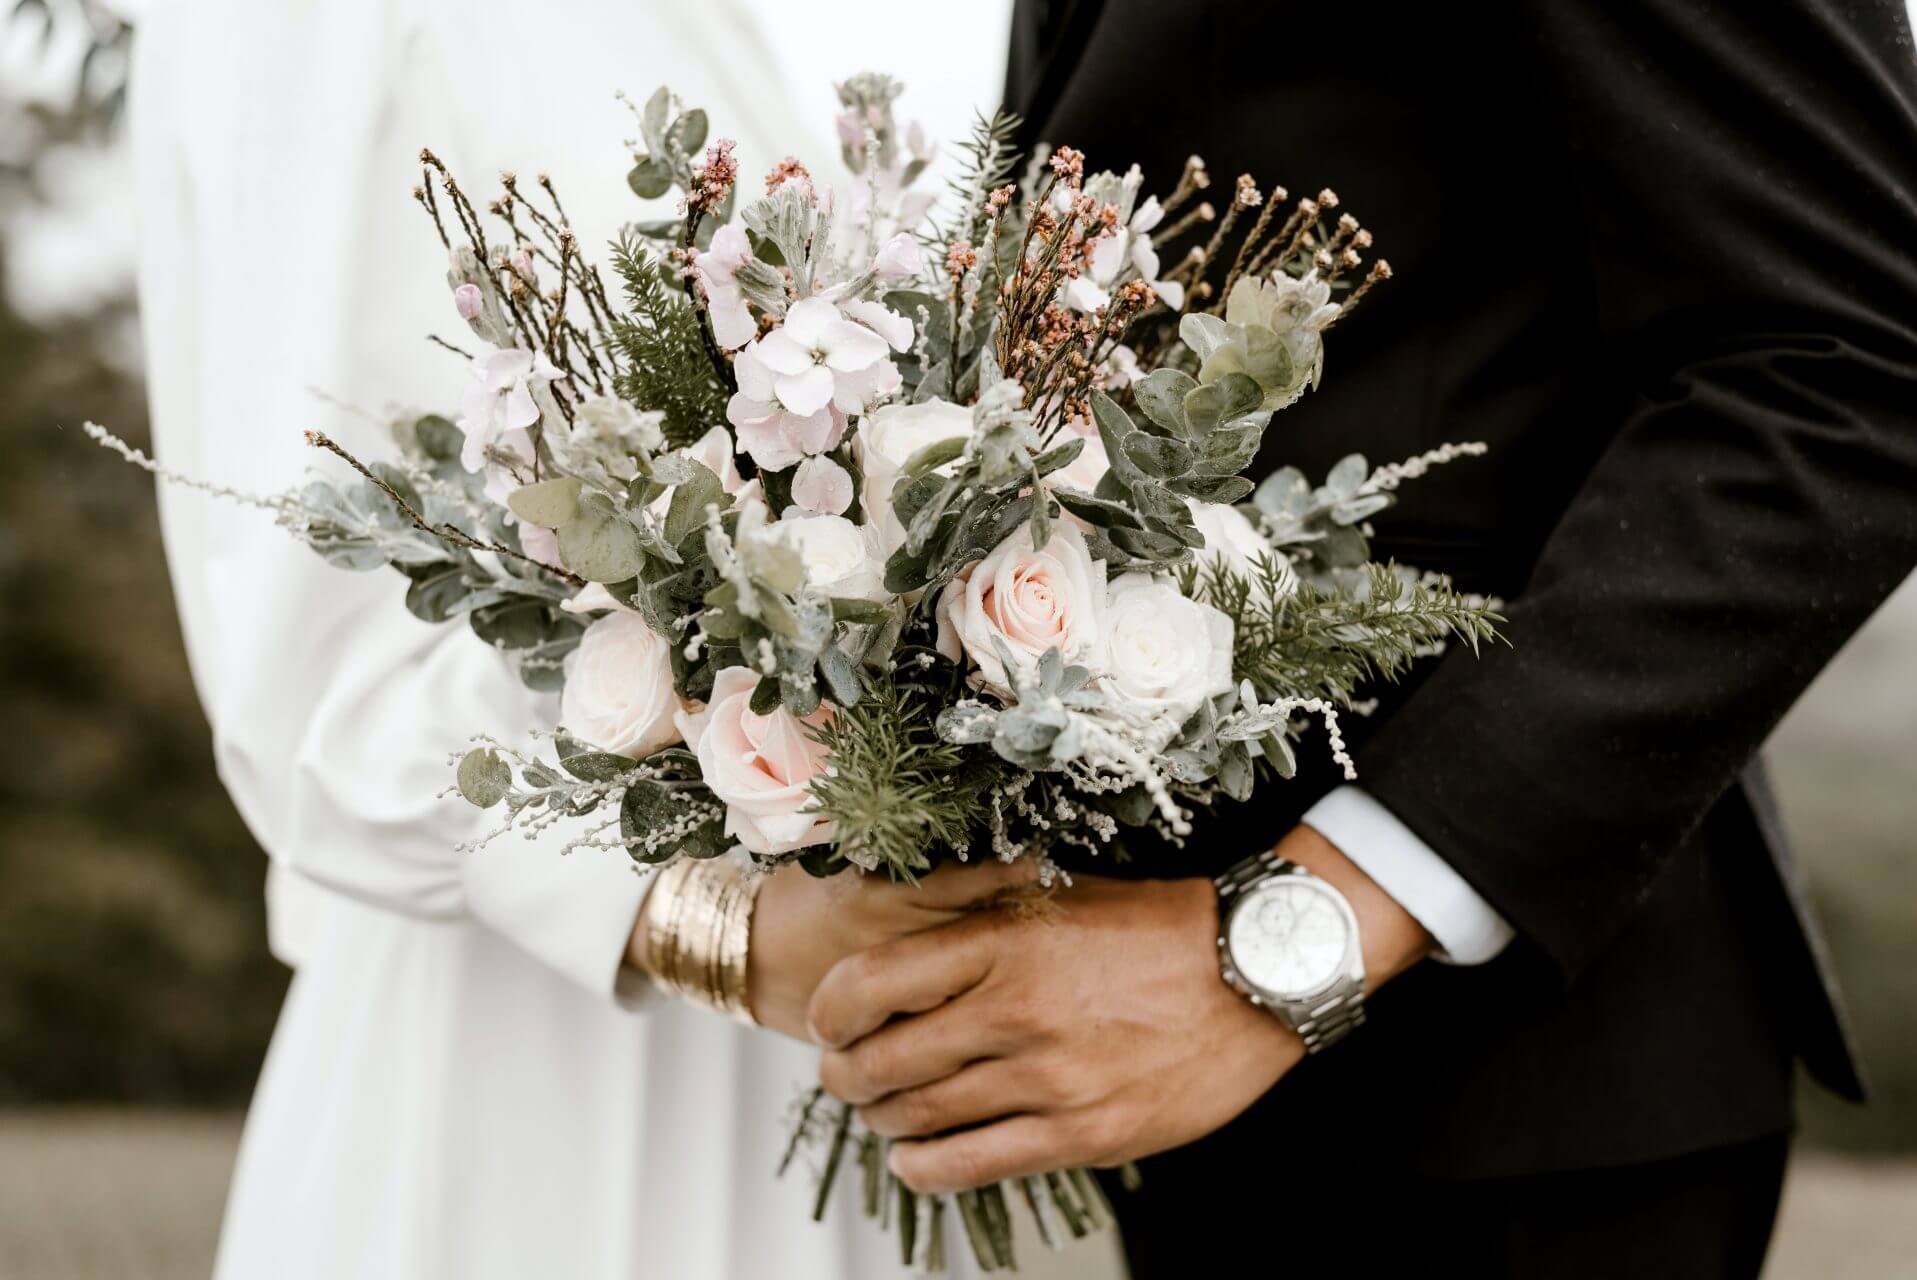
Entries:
{"x":1097,"y":1035}
{"x":802,"y":925}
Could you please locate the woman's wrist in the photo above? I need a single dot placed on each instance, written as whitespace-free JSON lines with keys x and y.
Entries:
{"x":694,"y":933}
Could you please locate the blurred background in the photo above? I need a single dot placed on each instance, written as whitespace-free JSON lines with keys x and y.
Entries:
{"x":136,"y":993}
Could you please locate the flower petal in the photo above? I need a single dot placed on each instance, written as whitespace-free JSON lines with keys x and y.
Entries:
{"x":781,"y":352}
{"x":851,"y":347}
{"x":806,"y":392}
{"x":889,"y":324}
{"x":822,"y":485}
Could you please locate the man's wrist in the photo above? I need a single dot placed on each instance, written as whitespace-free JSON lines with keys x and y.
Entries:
{"x":1390,"y":937}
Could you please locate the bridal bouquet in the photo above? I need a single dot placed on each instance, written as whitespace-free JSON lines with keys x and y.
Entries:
{"x":870,"y":534}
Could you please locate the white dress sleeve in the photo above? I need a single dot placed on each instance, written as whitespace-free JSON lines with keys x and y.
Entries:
{"x":294,"y":263}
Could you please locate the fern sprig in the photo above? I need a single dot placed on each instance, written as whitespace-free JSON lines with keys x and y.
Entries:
{"x":1306,"y":642}
{"x":897,"y":793}
{"x":660,"y":351}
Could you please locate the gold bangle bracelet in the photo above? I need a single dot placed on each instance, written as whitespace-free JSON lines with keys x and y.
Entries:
{"x":698,"y":933}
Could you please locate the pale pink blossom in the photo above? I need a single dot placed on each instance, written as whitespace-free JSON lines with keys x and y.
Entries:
{"x":897,"y":258}
{"x":501,"y":398}
{"x":798,"y":383}
{"x":822,"y":485}
{"x":772,"y":434}
{"x":1114,"y":251}
{"x":732,"y":322}
{"x":468,"y":301}
{"x":539,"y":542}
{"x":760,"y":766}
{"x":921,"y":147}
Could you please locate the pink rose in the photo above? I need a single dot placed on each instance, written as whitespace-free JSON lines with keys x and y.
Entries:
{"x":1030,"y":600}
{"x":761,"y":767}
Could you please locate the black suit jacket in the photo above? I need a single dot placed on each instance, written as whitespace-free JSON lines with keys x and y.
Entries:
{"x":1662,"y":257}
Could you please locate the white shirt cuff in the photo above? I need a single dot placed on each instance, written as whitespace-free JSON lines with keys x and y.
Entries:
{"x":1463,"y":924}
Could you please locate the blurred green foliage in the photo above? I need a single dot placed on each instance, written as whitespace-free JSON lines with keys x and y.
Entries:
{"x":133,"y":963}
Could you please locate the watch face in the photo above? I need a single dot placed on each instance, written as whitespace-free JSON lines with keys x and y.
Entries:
{"x":1288,"y":937}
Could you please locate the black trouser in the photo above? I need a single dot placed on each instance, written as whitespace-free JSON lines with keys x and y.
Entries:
{"x":1706,"y":1216}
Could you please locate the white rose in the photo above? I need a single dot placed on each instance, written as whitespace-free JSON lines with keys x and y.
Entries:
{"x":840,"y":558}
{"x":761,"y":767}
{"x":1163,"y":653}
{"x":618,"y":695}
{"x":1030,"y":600}
{"x":1089,"y":467}
{"x":888,"y":437}
{"x":1234,"y":541}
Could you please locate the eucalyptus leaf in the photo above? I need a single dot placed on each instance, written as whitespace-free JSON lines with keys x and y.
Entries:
{"x":933,"y":456}
{"x":519,"y":623}
{"x":1203,"y":333}
{"x":765,"y":698}
{"x":1232,"y":396}
{"x":439,"y":439}
{"x":1353,"y":510}
{"x":588,"y":764}
{"x":1220,"y":489}
{"x":652,"y":119}
{"x":1156,"y":456}
{"x":438,"y":590}
{"x":1058,"y":457}
{"x":599,"y":544}
{"x":484,"y":777}
{"x":687,"y":512}
{"x":841,"y":675}
{"x":688,"y":132}
{"x":1098,"y":511}
{"x":650,"y":178}
{"x":866,"y":612}
{"x":1351,"y":471}
{"x":1161,"y":397}
{"x":547,"y":503}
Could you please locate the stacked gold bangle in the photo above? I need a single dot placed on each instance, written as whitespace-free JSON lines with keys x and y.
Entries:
{"x":697,"y":928}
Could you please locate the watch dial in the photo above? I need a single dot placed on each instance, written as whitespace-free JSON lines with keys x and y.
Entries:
{"x":1288,"y":938}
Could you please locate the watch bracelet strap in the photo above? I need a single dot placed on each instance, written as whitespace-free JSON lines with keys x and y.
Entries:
{"x":1342,"y":1010}
{"x":1340,"y":1014}
{"x":1241,"y":876}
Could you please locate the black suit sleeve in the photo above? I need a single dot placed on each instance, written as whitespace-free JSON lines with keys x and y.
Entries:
{"x":1748,"y":202}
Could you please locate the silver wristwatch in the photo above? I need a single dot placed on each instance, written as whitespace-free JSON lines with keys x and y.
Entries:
{"x":1289,"y":942}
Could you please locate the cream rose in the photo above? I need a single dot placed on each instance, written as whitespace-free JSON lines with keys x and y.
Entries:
{"x":618,"y":695}
{"x":888,"y":437}
{"x":840,"y":558}
{"x":1089,"y":467}
{"x":1031,"y":600}
{"x":1163,"y":653}
{"x":761,"y":767}
{"x":1234,"y":541}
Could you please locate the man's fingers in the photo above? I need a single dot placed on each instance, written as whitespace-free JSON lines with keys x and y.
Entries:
{"x":920,"y":971}
{"x":955,"y":886}
{"x":982,"y":1091}
{"x":907,"y":1054}
{"x":1012,"y":1148}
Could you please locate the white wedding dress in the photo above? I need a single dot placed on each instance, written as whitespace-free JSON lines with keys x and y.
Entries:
{"x":462,"y":1084}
